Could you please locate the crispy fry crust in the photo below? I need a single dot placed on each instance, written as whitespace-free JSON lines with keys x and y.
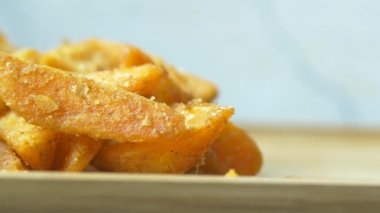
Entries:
{"x":33,"y":144}
{"x":138,"y":79}
{"x":8,"y":159}
{"x":196,"y":87}
{"x":234,"y":149}
{"x":94,"y":55}
{"x":5,"y":46}
{"x":29,"y":55}
{"x":54,"y":99}
{"x":167,"y":156}
{"x":199,"y":88}
{"x":148,"y":80}
{"x":74,"y":153}
{"x":97,"y":55}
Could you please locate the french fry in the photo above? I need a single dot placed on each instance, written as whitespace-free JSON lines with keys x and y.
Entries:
{"x":148,"y":80}
{"x":195,"y":86}
{"x":27,"y":54}
{"x":74,"y":153}
{"x":199,"y":88}
{"x":24,"y":54}
{"x":57,"y":100}
{"x":94,"y":55}
{"x":33,"y":144}
{"x":234,"y":149}
{"x":9,"y":160}
{"x":167,"y":156}
{"x":30,"y":55}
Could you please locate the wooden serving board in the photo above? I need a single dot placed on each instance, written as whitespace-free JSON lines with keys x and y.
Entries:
{"x":306,"y":170}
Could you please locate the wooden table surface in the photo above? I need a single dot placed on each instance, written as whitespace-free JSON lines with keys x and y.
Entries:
{"x":306,"y":170}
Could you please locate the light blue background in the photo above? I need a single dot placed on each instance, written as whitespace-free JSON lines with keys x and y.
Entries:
{"x":278,"y":62}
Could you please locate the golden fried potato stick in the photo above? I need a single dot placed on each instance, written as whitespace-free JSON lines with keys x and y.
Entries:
{"x":57,"y":100}
{"x":148,"y":80}
{"x":94,"y":55}
{"x":234,"y":149}
{"x":74,"y":153}
{"x":33,"y":144}
{"x":198,"y":87}
{"x":27,"y":54}
{"x":195,"y":86}
{"x":5,"y":46}
{"x":97,"y":55}
{"x":9,"y":160}
{"x":167,"y":156}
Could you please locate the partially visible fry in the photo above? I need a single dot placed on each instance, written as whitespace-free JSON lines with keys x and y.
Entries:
{"x":5,"y":46}
{"x":167,"y":156}
{"x":9,"y":160}
{"x":234,"y":149}
{"x":74,"y":153}
{"x":29,"y":55}
{"x":54,"y":99}
{"x":94,"y":55}
{"x":148,"y":80}
{"x":197,"y":87}
{"x":33,"y":144}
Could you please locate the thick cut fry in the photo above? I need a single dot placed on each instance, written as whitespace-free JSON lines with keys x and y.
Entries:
{"x":94,"y":55}
{"x":33,"y":144}
{"x":54,"y":99}
{"x":5,"y":46}
{"x":30,"y":55}
{"x":9,"y":160}
{"x":167,"y":156}
{"x":196,"y":87}
{"x":234,"y":149}
{"x":74,"y":153}
{"x":148,"y":80}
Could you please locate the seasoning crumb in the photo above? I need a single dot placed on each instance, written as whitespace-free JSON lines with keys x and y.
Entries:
{"x":231,"y":174}
{"x":146,"y":121}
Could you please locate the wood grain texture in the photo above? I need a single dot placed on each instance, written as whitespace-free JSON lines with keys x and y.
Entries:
{"x":303,"y":172}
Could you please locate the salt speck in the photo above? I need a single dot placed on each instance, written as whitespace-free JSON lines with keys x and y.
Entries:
{"x":8,"y":65}
{"x":146,"y":121}
{"x":74,"y":88}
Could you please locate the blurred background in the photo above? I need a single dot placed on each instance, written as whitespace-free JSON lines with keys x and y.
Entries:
{"x":277,"y":62}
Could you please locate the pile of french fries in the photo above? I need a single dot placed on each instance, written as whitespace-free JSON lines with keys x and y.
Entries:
{"x":99,"y":105}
